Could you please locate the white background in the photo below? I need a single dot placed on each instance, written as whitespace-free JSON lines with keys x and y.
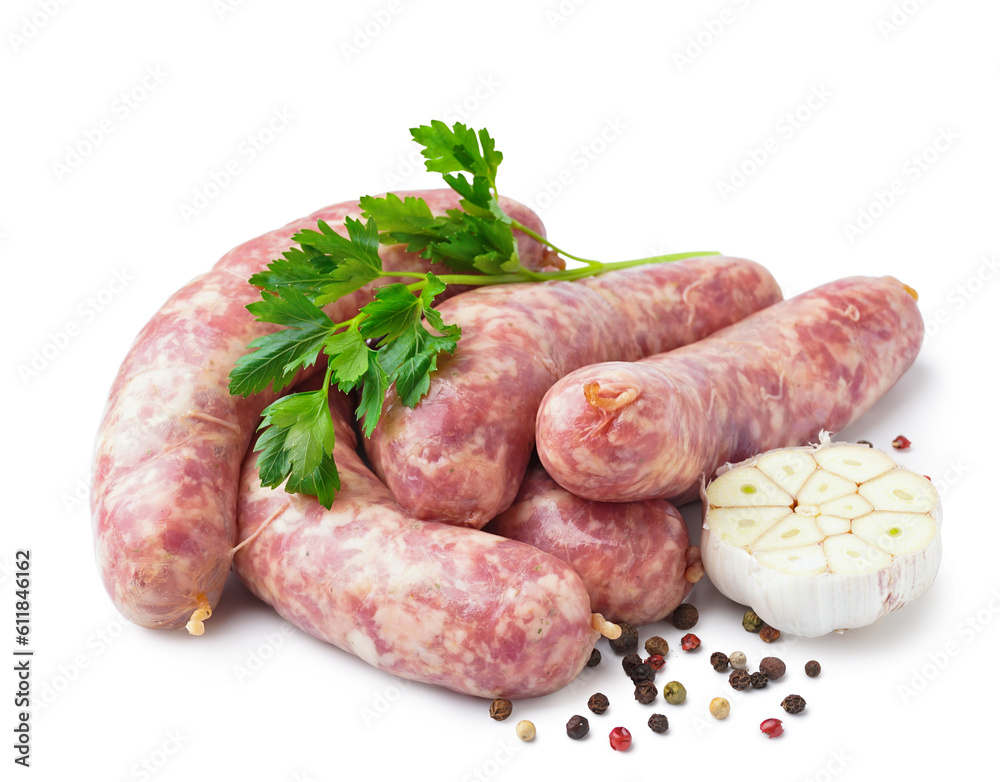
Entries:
{"x":643,"y":109}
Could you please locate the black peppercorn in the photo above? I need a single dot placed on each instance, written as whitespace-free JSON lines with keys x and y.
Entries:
{"x":646,"y":692}
{"x":758,"y":680}
{"x":627,"y":641}
{"x":720,"y":661}
{"x":793,"y":704}
{"x":772,"y":667}
{"x":500,"y":709}
{"x":629,"y":661}
{"x":658,"y":723}
{"x":739,"y":679}
{"x":684,"y":617}
{"x":642,"y":673}
{"x":595,"y":659}
{"x":577,"y":727}
{"x":657,"y":645}
{"x":812,"y":668}
{"x":598,"y":703}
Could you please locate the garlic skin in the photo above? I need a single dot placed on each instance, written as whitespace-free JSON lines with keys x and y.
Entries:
{"x":795,"y":589}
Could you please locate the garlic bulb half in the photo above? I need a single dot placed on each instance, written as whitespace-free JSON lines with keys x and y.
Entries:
{"x":821,"y":538}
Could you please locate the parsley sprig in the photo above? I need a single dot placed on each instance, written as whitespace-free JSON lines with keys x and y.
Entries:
{"x":397,"y":337}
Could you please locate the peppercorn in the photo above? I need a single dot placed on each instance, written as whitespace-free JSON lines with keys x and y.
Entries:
{"x":595,"y":659}
{"x":772,"y":727}
{"x":720,"y":661}
{"x":627,"y":641}
{"x":901,"y":443}
{"x":793,"y":704}
{"x":751,"y":622}
{"x":500,"y":709}
{"x":684,"y":617}
{"x":620,"y":739}
{"x":598,"y":703}
{"x":738,"y":660}
{"x":674,"y":692}
{"x":865,"y":442}
{"x":655,"y":661}
{"x":645,"y":692}
{"x":772,"y":667}
{"x":657,"y":645}
{"x":690,"y":642}
{"x":525,"y":730}
{"x":739,"y":679}
{"x":813,"y":668}
{"x":719,"y":708}
{"x":577,"y":727}
{"x":629,"y":661}
{"x":658,"y":723}
{"x":769,"y":634}
{"x":758,"y":680}
{"x":642,"y":673}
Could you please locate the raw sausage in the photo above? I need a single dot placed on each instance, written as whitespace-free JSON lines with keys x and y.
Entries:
{"x":617,"y":432}
{"x":634,"y":557}
{"x":460,"y":454}
{"x":170,"y":444}
{"x":460,"y":608}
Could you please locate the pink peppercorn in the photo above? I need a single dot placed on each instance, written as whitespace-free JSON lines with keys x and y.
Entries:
{"x":620,"y":739}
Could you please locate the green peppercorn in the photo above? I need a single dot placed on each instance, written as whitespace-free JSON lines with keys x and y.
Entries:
{"x":656,"y":645}
{"x":627,"y":641}
{"x":674,"y":692}
{"x":751,"y":622}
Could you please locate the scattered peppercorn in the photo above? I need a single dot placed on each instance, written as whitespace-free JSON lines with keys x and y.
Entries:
{"x":595,"y":659}
{"x":813,"y":668}
{"x":642,"y":673}
{"x":758,"y":680}
{"x":720,"y":661}
{"x":772,"y":727}
{"x":577,"y":727}
{"x":684,"y":617}
{"x":769,"y":634}
{"x":901,"y":443}
{"x":865,"y":442}
{"x":674,"y":692}
{"x":739,"y":679}
{"x":751,"y":622}
{"x":645,"y":692}
{"x":793,"y":704}
{"x":620,"y":739}
{"x":719,"y":708}
{"x":525,"y":730}
{"x":690,"y":642}
{"x":738,"y":660}
{"x":655,"y":661}
{"x":772,"y":667}
{"x":598,"y":703}
{"x":658,"y":723}
{"x":629,"y":661}
{"x":627,"y":641}
{"x":657,"y":645}
{"x":500,"y":709}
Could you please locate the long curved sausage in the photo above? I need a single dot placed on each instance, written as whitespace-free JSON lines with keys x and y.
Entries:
{"x":617,"y":432}
{"x":460,"y":608}
{"x":460,"y":454}
{"x":170,"y":444}
{"x":635,"y":558}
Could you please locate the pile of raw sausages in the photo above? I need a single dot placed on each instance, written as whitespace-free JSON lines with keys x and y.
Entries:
{"x":399,"y":571}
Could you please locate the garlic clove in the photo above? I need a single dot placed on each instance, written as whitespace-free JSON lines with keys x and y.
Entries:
{"x":788,"y":468}
{"x":823,"y":486}
{"x":793,"y":531}
{"x":859,"y":463}
{"x":742,"y":526}
{"x":802,"y":561}
{"x":898,"y":534}
{"x":900,"y":490}
{"x":833,"y":525}
{"x":847,"y":507}
{"x":848,"y":554}
{"x":746,"y":487}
